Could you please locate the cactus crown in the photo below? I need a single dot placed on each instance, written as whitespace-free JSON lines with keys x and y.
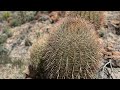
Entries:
{"x":71,"y":52}
{"x":95,"y":17}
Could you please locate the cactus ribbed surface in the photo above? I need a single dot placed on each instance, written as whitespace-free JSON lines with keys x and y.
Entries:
{"x":71,"y":52}
{"x":96,"y":17}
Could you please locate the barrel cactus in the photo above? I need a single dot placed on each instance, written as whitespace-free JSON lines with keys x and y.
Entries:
{"x":96,"y":17}
{"x":72,"y":51}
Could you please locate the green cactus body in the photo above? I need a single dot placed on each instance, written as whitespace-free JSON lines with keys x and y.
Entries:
{"x":71,"y":52}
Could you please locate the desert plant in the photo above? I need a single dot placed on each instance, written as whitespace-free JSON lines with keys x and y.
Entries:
{"x":3,"y":50}
{"x":3,"y":38}
{"x":26,"y":16}
{"x":30,"y":18}
{"x":71,"y":52}
{"x":15,"y":22}
{"x":21,"y":17}
{"x":96,"y":17}
{"x":7,"y":31}
{"x":6,"y":15}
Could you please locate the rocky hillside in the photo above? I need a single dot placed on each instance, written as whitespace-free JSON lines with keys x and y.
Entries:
{"x":20,"y":29}
{"x":23,"y":35}
{"x":111,"y":39}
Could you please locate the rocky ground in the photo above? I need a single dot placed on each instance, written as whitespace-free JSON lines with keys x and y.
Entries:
{"x":18,"y":47}
{"x":111,"y":41}
{"x":19,"y":44}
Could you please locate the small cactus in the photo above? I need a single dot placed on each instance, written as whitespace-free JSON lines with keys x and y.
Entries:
{"x":71,"y":52}
{"x":96,"y":17}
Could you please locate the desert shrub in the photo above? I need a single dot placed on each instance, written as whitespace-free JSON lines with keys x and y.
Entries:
{"x":3,"y":50}
{"x":6,"y":15}
{"x":26,"y":16}
{"x":3,"y":38}
{"x":21,"y":17}
{"x":8,"y":32}
{"x":15,"y":22}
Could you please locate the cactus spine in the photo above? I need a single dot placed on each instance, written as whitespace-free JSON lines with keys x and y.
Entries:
{"x":71,"y":52}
